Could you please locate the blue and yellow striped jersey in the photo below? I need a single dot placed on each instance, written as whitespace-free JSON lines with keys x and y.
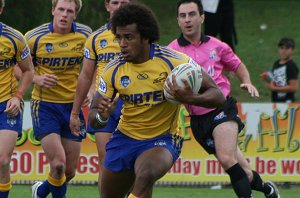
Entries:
{"x":146,"y":113}
{"x":101,"y":47}
{"x":60,"y":55}
{"x":13,"y":49}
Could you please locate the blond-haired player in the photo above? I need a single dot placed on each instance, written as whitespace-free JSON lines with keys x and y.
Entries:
{"x":57,"y":52}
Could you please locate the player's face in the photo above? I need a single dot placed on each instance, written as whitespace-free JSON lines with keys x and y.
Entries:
{"x":134,"y":48}
{"x":63,"y":15}
{"x":113,"y":5}
{"x":189,"y":20}
{"x":285,"y":53}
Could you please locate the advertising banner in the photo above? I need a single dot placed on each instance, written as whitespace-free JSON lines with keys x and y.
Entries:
{"x":270,"y":141}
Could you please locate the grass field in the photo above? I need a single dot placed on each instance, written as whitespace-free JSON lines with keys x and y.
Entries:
{"x":75,"y":191}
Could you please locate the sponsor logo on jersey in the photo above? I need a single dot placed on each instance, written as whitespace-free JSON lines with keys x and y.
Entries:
{"x":25,"y":52}
{"x":220,"y":116}
{"x":49,"y":47}
{"x":142,"y":76}
{"x":146,"y":99}
{"x":103,"y":43}
{"x":160,"y":143}
{"x":5,"y":51}
{"x":162,"y":77}
{"x":106,"y":57}
{"x":63,"y":45}
{"x":125,"y":81}
{"x":79,"y":47}
{"x":4,"y":64}
{"x":59,"y":63}
{"x":102,"y":85}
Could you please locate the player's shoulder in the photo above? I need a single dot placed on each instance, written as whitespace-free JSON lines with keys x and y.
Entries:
{"x":167,"y":53}
{"x":81,"y":28}
{"x":11,"y":32}
{"x":40,"y":30}
{"x":114,"y":64}
{"x":103,"y":30}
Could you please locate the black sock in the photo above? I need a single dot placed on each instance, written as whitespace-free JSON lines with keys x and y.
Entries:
{"x":239,"y":181}
{"x":258,"y":185}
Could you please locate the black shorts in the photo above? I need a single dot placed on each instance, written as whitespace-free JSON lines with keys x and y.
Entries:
{"x":203,"y":125}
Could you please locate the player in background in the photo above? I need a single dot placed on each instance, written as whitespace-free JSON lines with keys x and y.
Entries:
{"x":100,"y":48}
{"x":145,"y":144}
{"x":216,"y":129}
{"x":57,"y":51}
{"x":13,"y":49}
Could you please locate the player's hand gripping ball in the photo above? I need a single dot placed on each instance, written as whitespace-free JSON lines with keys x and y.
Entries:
{"x":191,"y":73}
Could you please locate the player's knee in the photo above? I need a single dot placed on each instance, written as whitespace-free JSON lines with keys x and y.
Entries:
{"x":59,"y":167}
{"x":147,"y":177}
{"x":227,"y":161}
{"x":4,"y":162}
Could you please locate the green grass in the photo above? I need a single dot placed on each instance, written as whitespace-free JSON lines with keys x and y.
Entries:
{"x":90,"y":191}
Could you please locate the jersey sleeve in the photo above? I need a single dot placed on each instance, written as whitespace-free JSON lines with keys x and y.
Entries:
{"x":23,"y":50}
{"x":89,"y":49}
{"x":104,"y":84}
{"x":228,"y":58}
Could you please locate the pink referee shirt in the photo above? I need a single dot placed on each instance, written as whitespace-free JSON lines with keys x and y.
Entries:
{"x":214,"y":56}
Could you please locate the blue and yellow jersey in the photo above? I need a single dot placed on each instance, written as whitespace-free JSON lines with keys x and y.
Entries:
{"x":13,"y":49}
{"x":60,"y":55}
{"x":101,"y":47}
{"x":146,"y":113}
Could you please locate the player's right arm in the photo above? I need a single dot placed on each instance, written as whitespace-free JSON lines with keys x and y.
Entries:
{"x":103,"y":105}
{"x":83,"y":85}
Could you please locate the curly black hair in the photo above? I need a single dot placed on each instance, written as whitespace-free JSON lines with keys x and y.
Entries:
{"x":140,"y":15}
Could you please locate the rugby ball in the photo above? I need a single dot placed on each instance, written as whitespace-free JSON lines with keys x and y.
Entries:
{"x":190,"y":72}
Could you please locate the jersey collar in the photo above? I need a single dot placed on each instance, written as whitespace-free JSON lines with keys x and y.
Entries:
{"x":183,"y":42}
{"x":108,"y":25}
{"x":73,"y":26}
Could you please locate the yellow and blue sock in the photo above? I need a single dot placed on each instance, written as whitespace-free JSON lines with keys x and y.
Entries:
{"x":4,"y":189}
{"x":44,"y":189}
{"x":58,"y":187}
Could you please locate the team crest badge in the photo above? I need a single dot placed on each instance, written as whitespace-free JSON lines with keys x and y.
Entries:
{"x":11,"y":121}
{"x":102,"y":85}
{"x":103,"y":43}
{"x":213,"y":55}
{"x":49,"y":47}
{"x":125,"y":81}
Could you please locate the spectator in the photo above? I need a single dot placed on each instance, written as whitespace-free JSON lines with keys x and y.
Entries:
{"x":219,"y":20}
{"x":284,"y":83}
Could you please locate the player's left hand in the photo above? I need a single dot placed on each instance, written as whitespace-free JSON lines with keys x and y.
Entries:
{"x":107,"y":106}
{"x":13,"y":106}
{"x":250,"y":88}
